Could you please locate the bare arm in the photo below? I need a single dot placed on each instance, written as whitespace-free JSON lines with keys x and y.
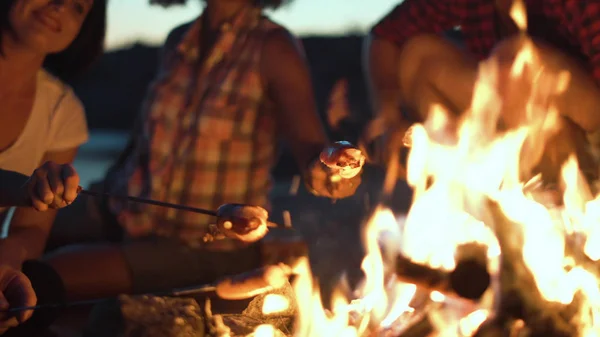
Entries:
{"x":289,"y":86}
{"x":381,"y":64}
{"x":583,"y":108}
{"x":383,"y":47}
{"x":29,"y":228}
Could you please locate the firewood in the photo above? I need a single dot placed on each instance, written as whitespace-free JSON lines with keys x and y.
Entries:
{"x":519,"y":297}
{"x":468,"y":280}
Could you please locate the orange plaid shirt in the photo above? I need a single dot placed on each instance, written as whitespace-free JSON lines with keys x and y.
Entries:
{"x":206,"y":137}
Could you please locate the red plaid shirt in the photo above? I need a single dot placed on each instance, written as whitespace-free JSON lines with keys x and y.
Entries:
{"x":572,"y":26}
{"x":207,"y":135}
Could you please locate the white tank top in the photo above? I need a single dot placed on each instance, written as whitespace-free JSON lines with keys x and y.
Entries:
{"x":57,"y":122}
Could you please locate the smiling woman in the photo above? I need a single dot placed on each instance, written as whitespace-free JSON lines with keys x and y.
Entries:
{"x":70,"y":45}
{"x":41,"y":119}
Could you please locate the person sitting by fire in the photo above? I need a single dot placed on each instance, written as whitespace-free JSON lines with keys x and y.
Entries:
{"x":411,"y":66}
{"x":229,"y":86}
{"x":41,"y":121}
{"x":51,"y":186}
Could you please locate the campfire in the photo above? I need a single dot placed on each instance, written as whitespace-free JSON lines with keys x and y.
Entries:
{"x":487,"y":248}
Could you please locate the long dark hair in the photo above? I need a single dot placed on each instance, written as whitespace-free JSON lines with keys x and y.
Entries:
{"x":273,"y":4}
{"x":87,"y":47}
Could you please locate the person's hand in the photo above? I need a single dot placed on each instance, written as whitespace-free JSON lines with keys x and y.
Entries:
{"x":15,"y":291}
{"x":52,"y":186}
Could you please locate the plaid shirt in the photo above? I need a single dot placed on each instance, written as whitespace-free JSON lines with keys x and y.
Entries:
{"x":205,"y":139}
{"x":572,"y":26}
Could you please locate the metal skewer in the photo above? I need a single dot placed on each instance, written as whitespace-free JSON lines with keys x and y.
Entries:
{"x":80,"y":190}
{"x":194,"y":290}
{"x":94,"y":194}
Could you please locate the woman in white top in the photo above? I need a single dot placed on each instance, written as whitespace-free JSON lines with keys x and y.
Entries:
{"x":41,"y":119}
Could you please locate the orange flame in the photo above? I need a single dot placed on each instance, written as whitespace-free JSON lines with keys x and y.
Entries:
{"x":454,"y":168}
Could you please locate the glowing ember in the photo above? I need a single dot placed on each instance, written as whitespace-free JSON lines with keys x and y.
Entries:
{"x":274,"y":303}
{"x":264,"y":330}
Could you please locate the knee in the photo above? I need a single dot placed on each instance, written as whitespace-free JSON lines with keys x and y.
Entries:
{"x":507,"y":50}
{"x":422,"y":57}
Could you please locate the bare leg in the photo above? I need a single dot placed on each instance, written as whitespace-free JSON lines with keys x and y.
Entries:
{"x":145,"y":265}
{"x":90,"y":272}
{"x":432,"y":70}
{"x":435,"y":71}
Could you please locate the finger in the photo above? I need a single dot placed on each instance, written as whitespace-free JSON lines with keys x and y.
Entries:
{"x":318,"y":187}
{"x":55,"y":181}
{"x":317,"y":180}
{"x":19,"y":293}
{"x":42,"y":189}
{"x":71,"y":183}
{"x":346,"y":187}
{"x":39,"y":205}
{"x":4,"y":305}
{"x":8,"y":323}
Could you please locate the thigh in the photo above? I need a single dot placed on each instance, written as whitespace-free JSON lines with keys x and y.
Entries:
{"x":158,"y":264}
{"x":434,"y":70}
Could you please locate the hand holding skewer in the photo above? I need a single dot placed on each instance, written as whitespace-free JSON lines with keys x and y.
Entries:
{"x":237,"y":221}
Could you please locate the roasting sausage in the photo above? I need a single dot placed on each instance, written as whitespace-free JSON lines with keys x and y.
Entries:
{"x":242,"y":222}
{"x":253,"y":283}
{"x":343,"y":159}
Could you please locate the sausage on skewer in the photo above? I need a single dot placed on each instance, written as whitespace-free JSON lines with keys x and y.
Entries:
{"x":343,"y":158}
{"x":253,"y":283}
{"x":242,"y":222}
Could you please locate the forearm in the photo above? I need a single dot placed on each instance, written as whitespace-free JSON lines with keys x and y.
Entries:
{"x":11,"y":193}
{"x":381,"y":65}
{"x":31,"y":241}
{"x":29,"y":231}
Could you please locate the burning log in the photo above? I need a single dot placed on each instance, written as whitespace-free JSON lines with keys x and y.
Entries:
{"x":469,"y":280}
{"x":519,"y":297}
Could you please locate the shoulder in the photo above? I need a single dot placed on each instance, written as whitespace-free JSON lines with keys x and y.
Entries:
{"x":56,"y":93}
{"x":280,"y":42}
{"x":283,"y":58}
{"x":175,"y":35}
